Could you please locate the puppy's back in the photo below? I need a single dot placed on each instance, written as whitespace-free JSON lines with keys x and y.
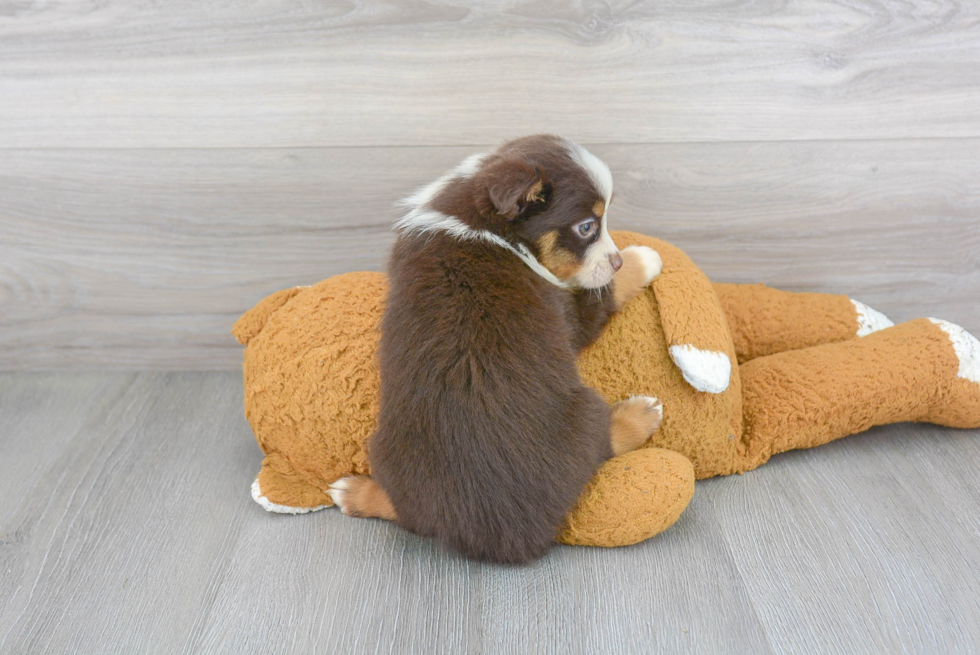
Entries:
{"x":485,"y":435}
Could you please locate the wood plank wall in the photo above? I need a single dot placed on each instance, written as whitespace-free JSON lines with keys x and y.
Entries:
{"x":163,"y":166}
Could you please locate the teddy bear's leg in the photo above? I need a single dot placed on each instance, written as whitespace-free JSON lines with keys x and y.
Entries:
{"x":923,"y":370}
{"x":631,"y":498}
{"x":765,"y":321}
{"x":280,"y":488}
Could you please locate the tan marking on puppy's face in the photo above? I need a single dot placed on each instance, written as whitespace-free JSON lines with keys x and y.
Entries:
{"x":597,"y":270}
{"x":560,"y":261}
{"x":599,"y":208}
{"x":536,"y":192}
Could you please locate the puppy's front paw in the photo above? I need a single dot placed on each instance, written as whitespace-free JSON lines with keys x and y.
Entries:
{"x":645,"y":411}
{"x":646,"y":259}
{"x":640,"y":265}
{"x":634,"y":420}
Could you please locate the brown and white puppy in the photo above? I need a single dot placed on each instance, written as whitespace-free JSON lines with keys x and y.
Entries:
{"x":502,"y":272}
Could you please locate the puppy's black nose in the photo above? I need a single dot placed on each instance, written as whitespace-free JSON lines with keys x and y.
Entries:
{"x":616,"y":261}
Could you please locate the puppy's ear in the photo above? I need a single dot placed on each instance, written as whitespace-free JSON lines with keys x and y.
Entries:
{"x":514,"y":189}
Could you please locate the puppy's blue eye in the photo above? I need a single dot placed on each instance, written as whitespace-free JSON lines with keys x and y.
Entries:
{"x":586,"y":228}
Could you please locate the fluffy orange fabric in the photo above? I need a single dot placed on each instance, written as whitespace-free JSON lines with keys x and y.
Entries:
{"x":799,"y":377}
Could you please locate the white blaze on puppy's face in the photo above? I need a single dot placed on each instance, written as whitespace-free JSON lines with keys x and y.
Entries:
{"x":597,"y":269}
{"x":595,"y":167}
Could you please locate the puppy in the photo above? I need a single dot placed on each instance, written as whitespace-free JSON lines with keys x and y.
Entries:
{"x":503,"y":270}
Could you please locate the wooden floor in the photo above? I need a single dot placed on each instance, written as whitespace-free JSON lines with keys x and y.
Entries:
{"x":127,"y":526}
{"x":165,"y":165}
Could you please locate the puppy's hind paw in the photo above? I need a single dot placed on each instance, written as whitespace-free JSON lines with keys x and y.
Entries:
{"x":360,"y":496}
{"x":339,"y":493}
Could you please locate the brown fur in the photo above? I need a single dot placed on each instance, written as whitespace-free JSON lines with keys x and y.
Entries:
{"x":486,"y":435}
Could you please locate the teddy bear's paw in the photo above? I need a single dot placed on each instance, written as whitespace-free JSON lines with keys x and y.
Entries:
{"x":634,"y":420}
{"x":705,"y":370}
{"x":259,"y":496}
{"x":646,"y":259}
{"x":869,"y":320}
{"x":360,"y":496}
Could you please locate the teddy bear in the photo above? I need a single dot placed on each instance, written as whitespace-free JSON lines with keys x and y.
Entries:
{"x":743,"y":371}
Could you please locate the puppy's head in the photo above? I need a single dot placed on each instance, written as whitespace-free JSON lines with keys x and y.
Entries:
{"x":553,"y":196}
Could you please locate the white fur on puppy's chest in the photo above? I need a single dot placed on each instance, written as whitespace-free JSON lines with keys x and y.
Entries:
{"x":705,"y":370}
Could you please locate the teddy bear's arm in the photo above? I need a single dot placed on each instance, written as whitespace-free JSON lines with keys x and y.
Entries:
{"x":693,"y":323}
{"x":631,"y":498}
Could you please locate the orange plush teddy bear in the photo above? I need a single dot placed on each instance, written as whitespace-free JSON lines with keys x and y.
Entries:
{"x":744,"y":372}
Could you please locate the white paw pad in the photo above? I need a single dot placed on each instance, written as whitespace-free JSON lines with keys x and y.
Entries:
{"x":869,"y":320}
{"x":967,"y":349}
{"x":649,"y":259}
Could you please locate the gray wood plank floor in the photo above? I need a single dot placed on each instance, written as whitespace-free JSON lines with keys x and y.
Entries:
{"x":127,"y":526}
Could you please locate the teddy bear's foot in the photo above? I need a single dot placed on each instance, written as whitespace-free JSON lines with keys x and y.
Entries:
{"x":279,"y":488}
{"x":869,"y":320}
{"x":633,"y":421}
{"x":362,"y":497}
{"x":958,"y":404}
{"x":631,"y":498}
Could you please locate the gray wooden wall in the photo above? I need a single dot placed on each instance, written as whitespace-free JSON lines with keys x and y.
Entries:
{"x":163,"y":166}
